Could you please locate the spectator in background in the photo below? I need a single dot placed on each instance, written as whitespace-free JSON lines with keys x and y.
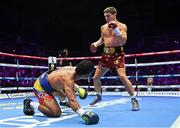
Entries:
{"x":63,"y":54}
{"x":149,"y":84}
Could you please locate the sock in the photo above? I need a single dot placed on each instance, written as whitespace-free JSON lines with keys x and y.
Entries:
{"x":34,"y":104}
{"x":98,"y":94}
{"x":133,"y":96}
{"x":76,"y":87}
{"x":80,"y":111}
{"x":63,"y":101}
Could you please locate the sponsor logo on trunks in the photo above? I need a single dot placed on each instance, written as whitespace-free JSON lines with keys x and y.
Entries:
{"x":116,"y":62}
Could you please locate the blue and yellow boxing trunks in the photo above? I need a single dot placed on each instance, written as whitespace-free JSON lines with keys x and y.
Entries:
{"x":42,"y":89}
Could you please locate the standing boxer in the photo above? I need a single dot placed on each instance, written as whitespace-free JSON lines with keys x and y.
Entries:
{"x":113,"y":36}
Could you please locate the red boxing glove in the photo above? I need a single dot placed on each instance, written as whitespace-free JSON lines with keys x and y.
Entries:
{"x":93,"y":49}
{"x":112,"y":24}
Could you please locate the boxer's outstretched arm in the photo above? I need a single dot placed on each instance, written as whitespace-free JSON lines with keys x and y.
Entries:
{"x":88,"y":117}
{"x":69,"y":90}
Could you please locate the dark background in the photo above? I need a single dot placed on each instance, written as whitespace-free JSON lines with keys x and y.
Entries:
{"x":153,"y":25}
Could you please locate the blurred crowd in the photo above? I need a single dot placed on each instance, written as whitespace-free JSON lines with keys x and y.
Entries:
{"x":19,"y":73}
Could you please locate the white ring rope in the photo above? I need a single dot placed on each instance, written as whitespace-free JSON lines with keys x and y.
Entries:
{"x":104,"y":77}
{"x":104,"y":86}
{"x":127,"y":65}
{"x":22,"y":66}
{"x":153,"y":64}
{"x":94,"y":57}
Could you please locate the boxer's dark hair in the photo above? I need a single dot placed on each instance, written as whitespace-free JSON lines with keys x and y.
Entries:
{"x":111,"y":10}
{"x":85,"y":67}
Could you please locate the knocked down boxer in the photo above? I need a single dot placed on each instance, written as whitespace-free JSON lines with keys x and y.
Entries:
{"x":52,"y":83}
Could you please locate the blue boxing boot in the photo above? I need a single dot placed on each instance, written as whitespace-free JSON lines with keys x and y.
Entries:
{"x":96,"y":100}
{"x":64,"y":103}
{"x":27,"y":108}
{"x":135,"y":104}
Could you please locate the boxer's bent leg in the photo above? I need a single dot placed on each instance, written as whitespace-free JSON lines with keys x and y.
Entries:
{"x":97,"y":83}
{"x":48,"y":104}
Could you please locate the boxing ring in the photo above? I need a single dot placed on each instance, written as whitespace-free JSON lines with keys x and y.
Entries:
{"x":159,"y":103}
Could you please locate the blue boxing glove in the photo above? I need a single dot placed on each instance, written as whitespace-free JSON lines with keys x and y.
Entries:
{"x":88,"y":117}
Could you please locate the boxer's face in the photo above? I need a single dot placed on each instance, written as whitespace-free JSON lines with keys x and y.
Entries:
{"x":109,"y":17}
